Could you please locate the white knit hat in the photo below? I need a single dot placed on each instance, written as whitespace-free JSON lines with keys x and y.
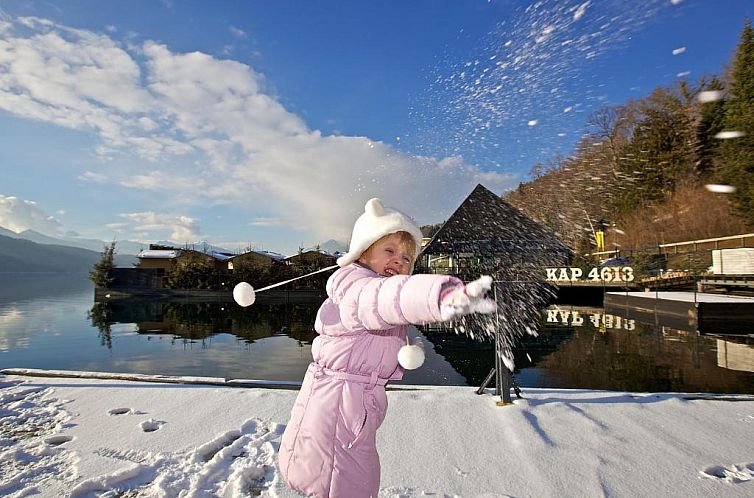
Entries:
{"x":376,"y":222}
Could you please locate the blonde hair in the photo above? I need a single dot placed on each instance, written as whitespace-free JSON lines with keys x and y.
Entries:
{"x":406,"y":241}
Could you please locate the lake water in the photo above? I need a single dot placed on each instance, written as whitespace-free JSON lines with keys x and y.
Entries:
{"x":52,"y":322}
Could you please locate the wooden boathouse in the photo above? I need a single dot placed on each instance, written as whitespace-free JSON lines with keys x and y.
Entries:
{"x":488,"y":234}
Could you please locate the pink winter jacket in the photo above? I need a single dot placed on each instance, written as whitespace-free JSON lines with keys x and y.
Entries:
{"x":328,"y":448}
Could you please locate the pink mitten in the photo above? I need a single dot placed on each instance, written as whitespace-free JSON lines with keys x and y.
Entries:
{"x":462,"y":300}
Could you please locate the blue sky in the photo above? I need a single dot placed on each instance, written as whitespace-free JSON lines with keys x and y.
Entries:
{"x":271,"y":123}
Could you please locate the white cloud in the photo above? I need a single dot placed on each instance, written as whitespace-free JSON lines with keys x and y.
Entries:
{"x":205,"y":131}
{"x":19,"y":215}
{"x":238,"y":32}
{"x":91,"y":176}
{"x":161,"y":181}
{"x":152,"y":225}
{"x":268,"y":222}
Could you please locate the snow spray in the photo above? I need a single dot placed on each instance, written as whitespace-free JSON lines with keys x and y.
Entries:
{"x":245,"y":295}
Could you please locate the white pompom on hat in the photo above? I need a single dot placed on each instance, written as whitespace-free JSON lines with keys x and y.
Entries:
{"x":376,"y":222}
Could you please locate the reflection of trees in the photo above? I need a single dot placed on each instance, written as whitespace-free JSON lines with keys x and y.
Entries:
{"x":100,"y":318}
{"x":197,"y":321}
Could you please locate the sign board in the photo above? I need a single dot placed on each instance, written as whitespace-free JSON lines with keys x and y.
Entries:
{"x":606,"y":274}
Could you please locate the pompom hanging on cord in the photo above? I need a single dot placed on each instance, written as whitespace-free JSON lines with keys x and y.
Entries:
{"x":411,"y":356}
{"x":245,"y":295}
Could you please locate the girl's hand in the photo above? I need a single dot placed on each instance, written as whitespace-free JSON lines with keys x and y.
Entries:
{"x":462,"y":300}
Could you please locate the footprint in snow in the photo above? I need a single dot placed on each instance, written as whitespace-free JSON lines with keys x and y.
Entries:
{"x":237,"y":463}
{"x":119,"y":411}
{"x":151,"y":425}
{"x":732,"y":474}
{"x":404,"y":492}
{"x":57,"y":440}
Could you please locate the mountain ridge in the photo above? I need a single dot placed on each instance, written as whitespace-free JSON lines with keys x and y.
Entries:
{"x":19,"y":255}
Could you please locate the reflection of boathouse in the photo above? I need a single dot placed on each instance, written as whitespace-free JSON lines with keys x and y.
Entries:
{"x":196,"y":321}
{"x":735,"y":355}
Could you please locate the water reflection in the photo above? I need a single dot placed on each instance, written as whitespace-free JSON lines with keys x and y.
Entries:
{"x":19,"y":287}
{"x":54,"y":324}
{"x":199,"y":321}
{"x":204,"y":324}
{"x":603,"y":351}
{"x":584,"y":347}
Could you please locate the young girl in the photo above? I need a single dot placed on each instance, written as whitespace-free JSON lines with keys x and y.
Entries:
{"x":328,"y":448}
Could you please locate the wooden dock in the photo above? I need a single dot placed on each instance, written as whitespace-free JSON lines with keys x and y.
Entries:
{"x":702,"y":312}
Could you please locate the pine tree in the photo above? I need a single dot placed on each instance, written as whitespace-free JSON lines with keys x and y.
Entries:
{"x":737,"y":154}
{"x":660,"y":152}
{"x":101,"y":271}
{"x":710,"y":122}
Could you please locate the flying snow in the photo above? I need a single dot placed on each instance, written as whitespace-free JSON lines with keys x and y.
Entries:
{"x":724,"y":135}
{"x":580,"y":11}
{"x":720,"y":189}
{"x":709,"y":96}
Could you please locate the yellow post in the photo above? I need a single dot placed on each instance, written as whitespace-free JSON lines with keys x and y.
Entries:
{"x":599,"y":237}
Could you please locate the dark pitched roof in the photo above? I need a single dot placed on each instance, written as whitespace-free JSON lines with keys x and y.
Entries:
{"x":486,"y":223}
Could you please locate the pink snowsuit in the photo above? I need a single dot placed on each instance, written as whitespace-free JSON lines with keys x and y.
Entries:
{"x":329,"y":448}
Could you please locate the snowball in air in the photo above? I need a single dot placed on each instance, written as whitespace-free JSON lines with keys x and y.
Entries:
{"x":580,"y":11}
{"x":533,"y":122}
{"x":730,"y":134}
{"x":411,"y":356}
{"x":720,"y":189}
{"x":709,"y":96}
{"x":243,"y":294}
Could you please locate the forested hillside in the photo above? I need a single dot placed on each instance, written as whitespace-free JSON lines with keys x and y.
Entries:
{"x":648,"y":168}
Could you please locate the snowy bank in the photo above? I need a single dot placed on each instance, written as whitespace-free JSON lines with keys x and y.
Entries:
{"x":99,"y":437}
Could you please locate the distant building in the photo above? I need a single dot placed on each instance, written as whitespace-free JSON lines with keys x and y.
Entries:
{"x":314,"y":259}
{"x":163,"y":259}
{"x":255,"y":258}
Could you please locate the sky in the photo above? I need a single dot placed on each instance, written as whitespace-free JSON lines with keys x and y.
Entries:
{"x":101,"y":436}
{"x":270,"y":124}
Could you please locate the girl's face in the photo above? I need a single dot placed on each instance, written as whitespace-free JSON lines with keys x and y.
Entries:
{"x":388,"y":256}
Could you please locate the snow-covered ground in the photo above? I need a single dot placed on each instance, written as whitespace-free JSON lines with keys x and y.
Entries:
{"x":98,"y":437}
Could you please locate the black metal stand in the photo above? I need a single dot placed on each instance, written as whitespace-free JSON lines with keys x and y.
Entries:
{"x":503,"y":382}
{"x":503,"y":377}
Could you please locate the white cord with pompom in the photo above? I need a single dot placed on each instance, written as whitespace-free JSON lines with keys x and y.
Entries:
{"x":411,"y":356}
